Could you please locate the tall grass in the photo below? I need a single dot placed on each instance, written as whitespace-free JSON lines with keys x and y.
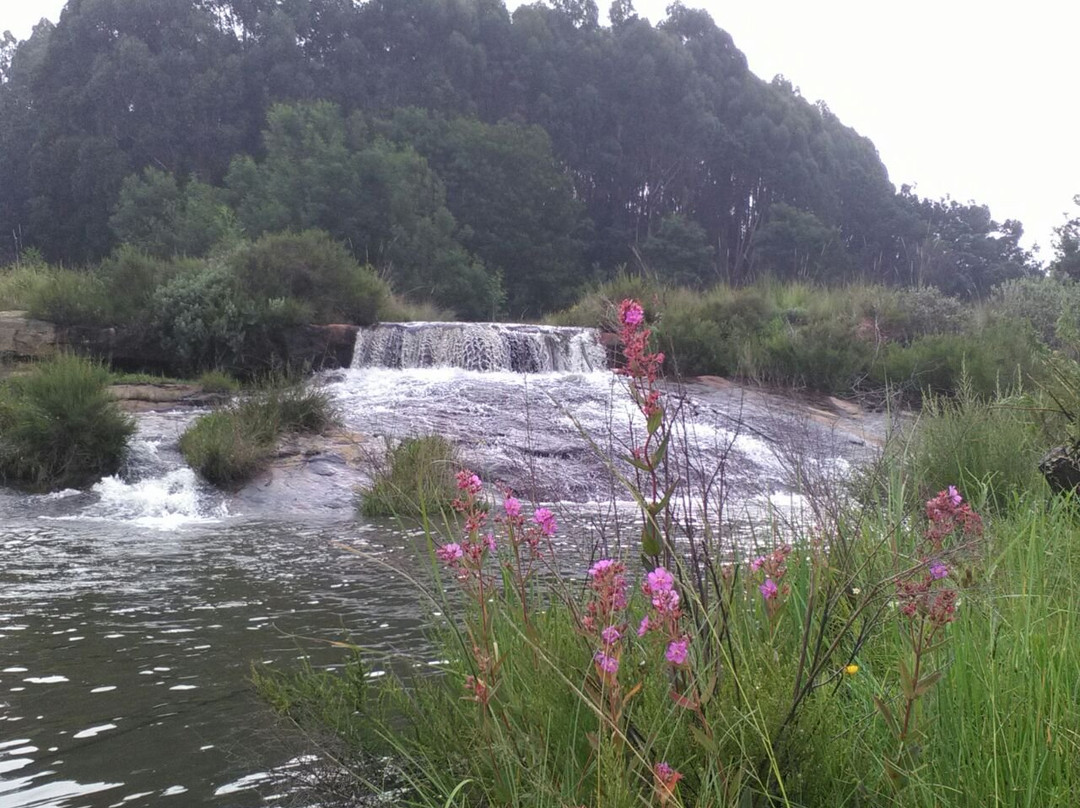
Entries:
{"x":417,"y":478}
{"x":59,"y":426}
{"x":231,"y":445}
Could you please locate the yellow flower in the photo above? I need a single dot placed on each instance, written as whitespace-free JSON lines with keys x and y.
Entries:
{"x":851,"y":669}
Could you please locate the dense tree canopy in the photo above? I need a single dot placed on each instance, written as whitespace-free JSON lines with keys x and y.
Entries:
{"x":491,"y":163}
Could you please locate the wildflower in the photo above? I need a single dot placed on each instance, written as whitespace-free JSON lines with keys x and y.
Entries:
{"x":450,"y":553}
{"x":938,"y":571}
{"x":756,"y":564}
{"x":469,"y":482}
{"x":512,"y":506}
{"x":606,"y":663}
{"x":768,"y":589}
{"x":659,"y":580}
{"x":676,"y":651}
{"x":598,"y":569}
{"x":489,"y":542}
{"x":610,"y":635}
{"x":665,"y":779}
{"x":643,"y":626}
{"x":546,"y":520}
{"x":954,"y":496}
{"x":631,"y":313}
{"x":851,"y":669}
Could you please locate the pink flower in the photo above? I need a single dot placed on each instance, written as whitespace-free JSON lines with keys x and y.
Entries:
{"x":676,"y":651}
{"x":755,"y":565}
{"x":768,"y":589}
{"x":546,"y":520}
{"x":938,"y":571}
{"x":489,"y":542}
{"x":954,"y":496}
{"x":643,"y":626}
{"x":608,"y":664}
{"x":450,"y":553}
{"x":513,"y":506}
{"x":469,"y":482}
{"x":631,"y":312}
{"x":659,"y":580}
{"x":610,"y":635}
{"x":601,"y":566}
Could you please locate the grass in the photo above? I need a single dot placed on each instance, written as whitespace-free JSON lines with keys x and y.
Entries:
{"x":231,"y":445}
{"x":59,"y":426}
{"x":417,"y":479}
{"x":827,"y":692}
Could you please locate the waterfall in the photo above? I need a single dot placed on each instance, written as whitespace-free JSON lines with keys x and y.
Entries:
{"x":513,"y":347}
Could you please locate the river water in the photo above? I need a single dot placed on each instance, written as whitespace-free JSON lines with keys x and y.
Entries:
{"x":130,"y":614}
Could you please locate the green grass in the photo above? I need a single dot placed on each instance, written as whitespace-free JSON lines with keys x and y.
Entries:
{"x":231,"y":445}
{"x":763,"y":712}
{"x":417,"y":479}
{"x":59,"y":426}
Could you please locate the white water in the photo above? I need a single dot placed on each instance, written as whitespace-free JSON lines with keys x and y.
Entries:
{"x":488,"y":347}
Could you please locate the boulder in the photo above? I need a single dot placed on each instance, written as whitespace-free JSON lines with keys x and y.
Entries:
{"x":1061,"y":468}
{"x":22,"y":337}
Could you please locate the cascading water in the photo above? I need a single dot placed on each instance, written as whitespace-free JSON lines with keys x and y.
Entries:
{"x":513,"y":347}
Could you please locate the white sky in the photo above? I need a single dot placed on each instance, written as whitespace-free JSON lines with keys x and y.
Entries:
{"x":976,"y":99}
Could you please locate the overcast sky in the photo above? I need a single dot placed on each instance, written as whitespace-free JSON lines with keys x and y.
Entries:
{"x":976,"y":100}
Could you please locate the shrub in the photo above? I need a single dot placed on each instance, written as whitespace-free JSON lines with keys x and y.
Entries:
{"x":70,"y":297}
{"x":312,"y":268}
{"x":130,"y":279}
{"x":227,"y":447}
{"x":418,"y":479}
{"x":201,"y":318}
{"x":60,"y":427}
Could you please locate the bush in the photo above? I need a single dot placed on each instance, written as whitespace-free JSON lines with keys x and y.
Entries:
{"x":312,"y":268}
{"x":418,"y":479}
{"x":130,"y":279}
{"x":69,"y":297}
{"x":60,"y":427}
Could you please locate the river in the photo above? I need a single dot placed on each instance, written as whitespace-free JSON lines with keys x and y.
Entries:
{"x":131,"y":613}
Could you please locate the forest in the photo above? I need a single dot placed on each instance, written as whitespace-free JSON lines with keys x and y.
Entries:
{"x":490,"y":164}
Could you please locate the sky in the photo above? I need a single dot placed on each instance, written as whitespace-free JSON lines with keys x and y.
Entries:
{"x":973,"y":100}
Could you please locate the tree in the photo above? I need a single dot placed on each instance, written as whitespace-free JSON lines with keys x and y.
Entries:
{"x":679,"y":251}
{"x":159,"y":217}
{"x":1066,"y":262}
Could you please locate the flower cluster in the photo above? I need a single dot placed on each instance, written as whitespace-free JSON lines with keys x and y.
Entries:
{"x":665,"y":779}
{"x":953,"y":525}
{"x":774,"y":567}
{"x":642,"y":365}
{"x":950,"y":518}
{"x":466,"y":557}
{"x":664,"y":615}
{"x":607,"y":582}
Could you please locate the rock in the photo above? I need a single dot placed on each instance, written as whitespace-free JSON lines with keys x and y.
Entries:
{"x":320,"y":346}
{"x":1061,"y":468}
{"x":22,"y":337}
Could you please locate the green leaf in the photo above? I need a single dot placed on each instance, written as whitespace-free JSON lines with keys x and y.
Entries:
{"x":650,"y":539}
{"x":906,"y":683}
{"x":704,"y":741}
{"x":655,"y":420}
{"x":661,"y":451}
{"x":927,"y":682}
{"x":887,"y":714}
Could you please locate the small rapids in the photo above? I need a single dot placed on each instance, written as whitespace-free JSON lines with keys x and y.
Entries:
{"x":519,"y":348}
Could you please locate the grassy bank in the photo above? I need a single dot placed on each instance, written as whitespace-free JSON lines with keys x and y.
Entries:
{"x":846,"y":339}
{"x":910,"y":646}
